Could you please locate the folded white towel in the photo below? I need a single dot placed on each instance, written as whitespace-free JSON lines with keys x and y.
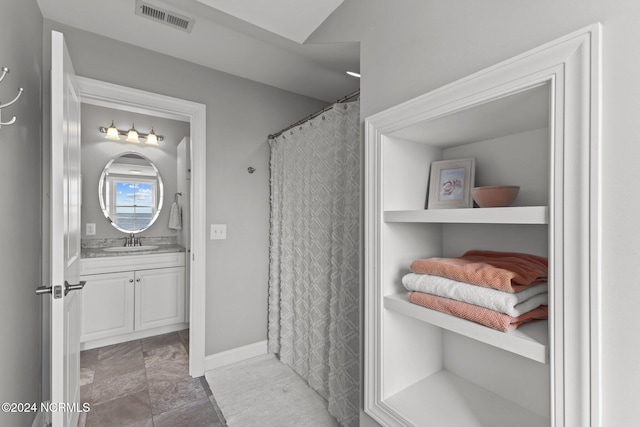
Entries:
{"x":175,"y":217}
{"x":513,"y":304}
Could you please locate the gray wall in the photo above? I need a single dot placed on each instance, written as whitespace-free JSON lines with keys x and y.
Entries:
{"x":97,"y":151}
{"x":20,"y":157}
{"x":412,"y":46}
{"x":240,"y":115}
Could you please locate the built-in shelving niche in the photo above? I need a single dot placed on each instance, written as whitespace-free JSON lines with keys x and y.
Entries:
{"x":424,"y":367}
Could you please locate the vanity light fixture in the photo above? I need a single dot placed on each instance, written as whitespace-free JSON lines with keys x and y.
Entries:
{"x":132,"y":135}
{"x":353,"y":74}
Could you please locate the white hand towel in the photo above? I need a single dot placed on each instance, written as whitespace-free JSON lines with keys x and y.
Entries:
{"x":513,"y":304}
{"x":175,"y":217}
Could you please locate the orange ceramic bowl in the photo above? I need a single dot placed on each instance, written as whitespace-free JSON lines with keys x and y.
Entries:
{"x":495,"y":196}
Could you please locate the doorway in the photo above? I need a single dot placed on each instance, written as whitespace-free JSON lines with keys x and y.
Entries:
{"x":118,"y":97}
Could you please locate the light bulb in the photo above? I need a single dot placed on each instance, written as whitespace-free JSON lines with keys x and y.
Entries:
{"x":132,"y":136}
{"x":152,"y":138}
{"x":112,"y":132}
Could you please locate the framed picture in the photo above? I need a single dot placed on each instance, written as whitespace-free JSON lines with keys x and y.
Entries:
{"x":450,"y":184}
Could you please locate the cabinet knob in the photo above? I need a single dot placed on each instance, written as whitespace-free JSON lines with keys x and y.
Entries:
{"x":130,"y":280}
{"x":138,"y":279}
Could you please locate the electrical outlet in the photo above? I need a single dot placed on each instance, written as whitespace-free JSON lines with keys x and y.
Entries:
{"x":218,"y":231}
{"x":91,"y":229}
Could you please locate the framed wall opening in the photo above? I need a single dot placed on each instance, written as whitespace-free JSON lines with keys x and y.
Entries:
{"x":134,"y":100}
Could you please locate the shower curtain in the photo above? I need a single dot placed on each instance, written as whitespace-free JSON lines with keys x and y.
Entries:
{"x":314,"y":255}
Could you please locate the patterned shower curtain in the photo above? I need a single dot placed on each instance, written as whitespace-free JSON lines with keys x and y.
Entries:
{"x":314,"y":255}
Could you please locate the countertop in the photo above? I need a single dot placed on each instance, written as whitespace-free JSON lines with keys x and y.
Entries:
{"x":125,"y":251}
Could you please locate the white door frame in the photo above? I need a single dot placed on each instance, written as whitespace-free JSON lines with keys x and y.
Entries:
{"x":110,"y":95}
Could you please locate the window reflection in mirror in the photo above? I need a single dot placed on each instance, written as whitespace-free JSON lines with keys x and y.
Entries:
{"x":134,"y":205}
{"x":130,"y":192}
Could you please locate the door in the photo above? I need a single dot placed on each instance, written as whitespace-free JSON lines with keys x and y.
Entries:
{"x":159,"y":297}
{"x":65,"y":233}
{"x":107,"y":305}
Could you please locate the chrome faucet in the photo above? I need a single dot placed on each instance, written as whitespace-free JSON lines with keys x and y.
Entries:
{"x":132,"y":240}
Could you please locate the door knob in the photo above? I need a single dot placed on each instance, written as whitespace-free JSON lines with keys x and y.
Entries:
{"x":55,"y":290}
{"x":41,"y":290}
{"x":76,"y":287}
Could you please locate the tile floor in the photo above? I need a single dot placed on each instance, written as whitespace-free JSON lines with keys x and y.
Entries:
{"x":145,"y":383}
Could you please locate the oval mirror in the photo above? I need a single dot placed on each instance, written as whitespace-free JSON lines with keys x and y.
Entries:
{"x":130,"y":192}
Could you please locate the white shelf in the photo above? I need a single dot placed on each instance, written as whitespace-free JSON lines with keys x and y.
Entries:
{"x":510,"y":215}
{"x":445,"y":399}
{"x":530,"y":340}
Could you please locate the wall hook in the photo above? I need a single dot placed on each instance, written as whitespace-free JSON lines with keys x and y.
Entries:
{"x":5,"y":70}
{"x":251,"y":170}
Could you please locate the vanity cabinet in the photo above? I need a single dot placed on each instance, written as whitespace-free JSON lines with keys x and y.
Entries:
{"x":527,"y":122}
{"x":129,"y":297}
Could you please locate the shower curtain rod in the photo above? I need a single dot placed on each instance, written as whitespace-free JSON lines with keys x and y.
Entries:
{"x":313,"y":116}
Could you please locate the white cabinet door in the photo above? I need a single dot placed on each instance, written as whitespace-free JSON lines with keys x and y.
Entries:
{"x":159,"y":297}
{"x":107,"y":305}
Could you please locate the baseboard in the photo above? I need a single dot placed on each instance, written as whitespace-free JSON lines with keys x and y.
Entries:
{"x":88,"y":345}
{"x":235,"y":355}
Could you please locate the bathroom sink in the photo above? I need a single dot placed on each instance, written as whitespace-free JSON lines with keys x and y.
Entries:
{"x":131,"y":248}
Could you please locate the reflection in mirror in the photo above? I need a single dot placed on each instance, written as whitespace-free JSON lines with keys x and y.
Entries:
{"x":130,"y":192}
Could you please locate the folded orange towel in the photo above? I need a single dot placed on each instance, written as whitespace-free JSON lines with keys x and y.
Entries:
{"x":484,"y":316}
{"x":505,"y":271}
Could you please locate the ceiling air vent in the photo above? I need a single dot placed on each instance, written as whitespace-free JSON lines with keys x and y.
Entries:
{"x":164,"y":16}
